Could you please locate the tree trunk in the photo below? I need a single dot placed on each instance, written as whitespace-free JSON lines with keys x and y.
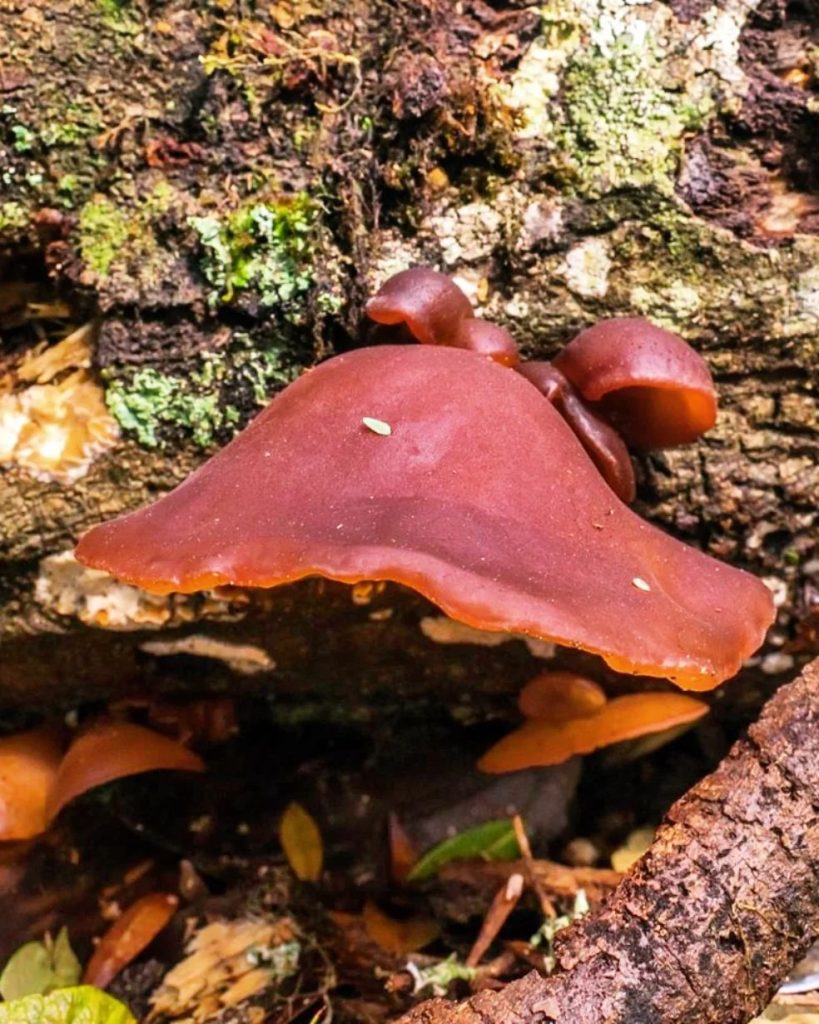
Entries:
{"x":213,"y":190}
{"x":713,"y":916}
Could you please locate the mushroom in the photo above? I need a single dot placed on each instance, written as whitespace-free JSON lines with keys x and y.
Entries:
{"x":560,"y":696}
{"x":474,"y":491}
{"x":436,"y":312}
{"x":553,"y":738}
{"x":28,"y":767}
{"x":106,"y":751}
{"x":652,"y":387}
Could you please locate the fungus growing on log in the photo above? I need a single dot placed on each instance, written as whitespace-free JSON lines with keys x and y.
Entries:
{"x":560,"y":696}
{"x":113,"y":750}
{"x":480,"y":497}
{"x":651,"y":386}
{"x":554,"y":738}
{"x":28,"y":767}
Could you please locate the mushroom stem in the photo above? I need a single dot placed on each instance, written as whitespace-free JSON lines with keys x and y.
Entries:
{"x":603,"y":444}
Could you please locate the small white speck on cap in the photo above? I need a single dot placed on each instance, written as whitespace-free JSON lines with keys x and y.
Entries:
{"x":377,"y":426}
{"x":640,"y":583}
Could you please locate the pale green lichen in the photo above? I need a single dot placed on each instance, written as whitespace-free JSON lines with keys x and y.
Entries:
{"x":620,"y":124}
{"x":611,"y":88}
{"x":264,"y":247}
{"x":149,"y":401}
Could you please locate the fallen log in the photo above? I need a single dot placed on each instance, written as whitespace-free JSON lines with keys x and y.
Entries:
{"x":713,"y":917}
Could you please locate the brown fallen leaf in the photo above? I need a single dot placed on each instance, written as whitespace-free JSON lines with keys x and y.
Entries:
{"x":398,"y":937}
{"x":135,"y":929}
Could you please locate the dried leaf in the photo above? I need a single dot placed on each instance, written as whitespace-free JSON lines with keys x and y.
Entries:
{"x":135,"y":929}
{"x":395,"y":936}
{"x":113,"y":750}
{"x":301,"y":841}
{"x":494,"y":840}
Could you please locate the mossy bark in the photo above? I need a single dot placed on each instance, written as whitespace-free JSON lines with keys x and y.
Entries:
{"x":222,"y":185}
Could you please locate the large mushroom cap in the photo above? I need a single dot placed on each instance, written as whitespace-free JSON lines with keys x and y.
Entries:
{"x":441,"y":470}
{"x":654,"y":388}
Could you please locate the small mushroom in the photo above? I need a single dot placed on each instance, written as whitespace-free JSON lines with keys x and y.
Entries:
{"x":28,"y":767}
{"x":113,"y":750}
{"x":560,"y":696}
{"x":647,"y":382}
{"x":548,"y":741}
{"x":426,"y":301}
{"x":603,"y":444}
{"x":481,"y":498}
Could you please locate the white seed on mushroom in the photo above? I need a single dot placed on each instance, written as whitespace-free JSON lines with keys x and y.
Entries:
{"x":377,"y":426}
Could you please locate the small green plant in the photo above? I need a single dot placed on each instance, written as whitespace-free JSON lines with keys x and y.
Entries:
{"x":265,"y":247}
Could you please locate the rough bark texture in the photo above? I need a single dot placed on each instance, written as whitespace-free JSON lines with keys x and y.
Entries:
{"x":713,"y":916}
{"x":221,"y":184}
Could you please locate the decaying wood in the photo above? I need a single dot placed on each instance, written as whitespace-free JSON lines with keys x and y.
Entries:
{"x":714,"y":915}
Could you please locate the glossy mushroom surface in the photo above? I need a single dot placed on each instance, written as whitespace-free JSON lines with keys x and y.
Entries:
{"x":546,"y":741}
{"x":647,"y":382}
{"x":472,"y":490}
{"x":428,"y":302}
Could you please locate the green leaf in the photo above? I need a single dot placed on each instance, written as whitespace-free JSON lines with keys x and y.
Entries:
{"x":67,"y":968}
{"x":494,"y":840}
{"x":39,"y":967}
{"x":82,"y":1005}
{"x":28,"y":971}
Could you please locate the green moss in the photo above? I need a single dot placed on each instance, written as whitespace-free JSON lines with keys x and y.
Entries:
{"x":13,"y":217}
{"x":148,"y":402}
{"x":620,"y":123}
{"x":103,"y":233}
{"x":264,"y":247}
{"x":114,"y":238}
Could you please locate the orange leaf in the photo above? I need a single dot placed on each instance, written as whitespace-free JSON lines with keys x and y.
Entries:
{"x":113,"y":750}
{"x":560,"y":696}
{"x":624,"y":718}
{"x":135,"y":929}
{"x":301,"y":842}
{"x":28,"y":767}
{"x":398,"y":937}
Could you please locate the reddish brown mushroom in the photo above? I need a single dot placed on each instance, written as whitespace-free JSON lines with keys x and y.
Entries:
{"x":437,"y":312}
{"x":603,"y":444}
{"x":656,"y":390}
{"x":427,"y":302}
{"x":442,"y":470}
{"x":550,"y":740}
{"x":106,"y":751}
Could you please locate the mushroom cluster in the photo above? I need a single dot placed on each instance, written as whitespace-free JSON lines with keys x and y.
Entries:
{"x":496,"y":488}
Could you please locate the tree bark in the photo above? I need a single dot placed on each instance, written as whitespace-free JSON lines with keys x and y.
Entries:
{"x":717,"y":912}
